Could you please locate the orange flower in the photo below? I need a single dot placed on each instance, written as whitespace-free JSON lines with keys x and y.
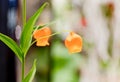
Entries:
{"x":73,"y":42}
{"x":42,"y":36}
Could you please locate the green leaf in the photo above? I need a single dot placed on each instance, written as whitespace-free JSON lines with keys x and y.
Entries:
{"x":31,"y":73}
{"x":45,"y":25}
{"x":26,"y":36}
{"x":12,"y":45}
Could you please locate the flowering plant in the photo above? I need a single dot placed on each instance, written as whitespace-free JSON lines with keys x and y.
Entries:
{"x":41,"y":36}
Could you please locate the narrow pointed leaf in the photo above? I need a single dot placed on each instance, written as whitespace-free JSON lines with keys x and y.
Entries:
{"x":26,"y":36}
{"x":45,"y":25}
{"x":12,"y":45}
{"x":31,"y":73}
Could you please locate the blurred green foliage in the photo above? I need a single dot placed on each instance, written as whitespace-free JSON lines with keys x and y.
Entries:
{"x":54,"y":63}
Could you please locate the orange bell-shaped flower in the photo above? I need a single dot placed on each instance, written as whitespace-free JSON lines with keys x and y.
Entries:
{"x":42,"y":36}
{"x":73,"y":42}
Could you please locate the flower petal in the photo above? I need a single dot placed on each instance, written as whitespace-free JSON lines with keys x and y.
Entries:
{"x":42,"y":36}
{"x":73,"y":42}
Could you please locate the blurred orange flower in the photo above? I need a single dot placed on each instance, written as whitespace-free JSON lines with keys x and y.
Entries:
{"x":42,"y":36}
{"x":73,"y":42}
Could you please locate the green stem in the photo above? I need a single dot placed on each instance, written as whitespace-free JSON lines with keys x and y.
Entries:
{"x":50,"y":35}
{"x":24,"y":22}
{"x":24,"y":12}
{"x":23,"y":64}
{"x":44,"y":37}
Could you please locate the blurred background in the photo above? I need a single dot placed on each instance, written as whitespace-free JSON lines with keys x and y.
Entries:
{"x":98,"y":23}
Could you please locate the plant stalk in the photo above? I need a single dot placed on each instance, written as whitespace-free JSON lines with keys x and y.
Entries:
{"x":24,"y":22}
{"x":23,"y":65}
{"x":24,"y":12}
